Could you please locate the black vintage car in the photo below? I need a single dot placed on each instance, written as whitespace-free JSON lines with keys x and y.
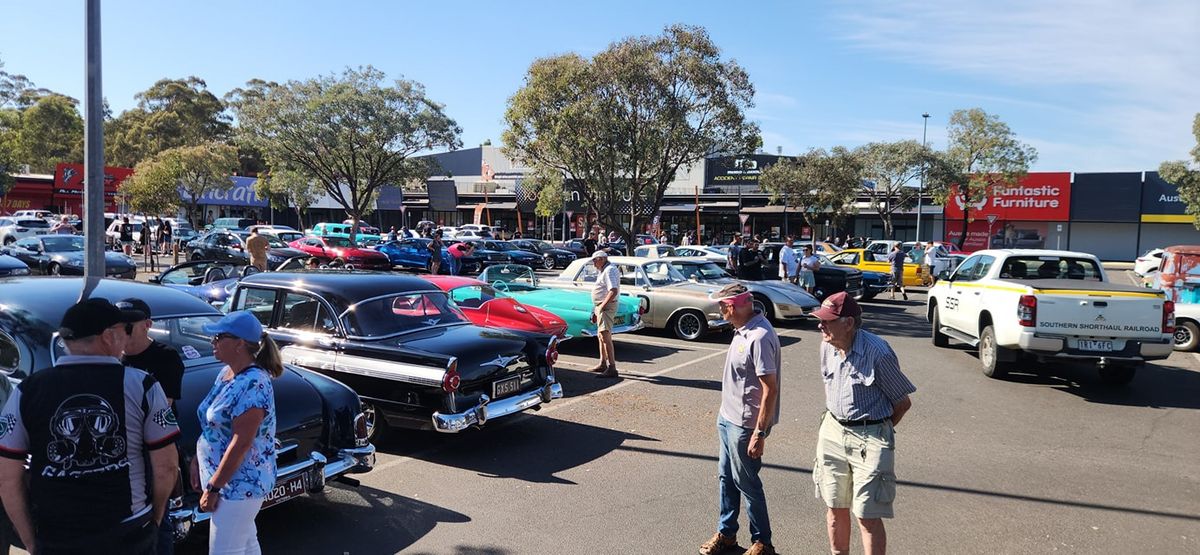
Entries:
{"x":830,"y":279}
{"x":552,"y":256}
{"x":320,"y":427}
{"x":63,"y":255}
{"x":487,"y":255}
{"x":403,"y":346}
{"x":230,"y":246}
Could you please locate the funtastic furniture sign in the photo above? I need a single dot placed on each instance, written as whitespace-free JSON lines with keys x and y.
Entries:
{"x":1042,"y":196}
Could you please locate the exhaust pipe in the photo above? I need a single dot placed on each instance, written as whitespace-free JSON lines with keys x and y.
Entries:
{"x":1103,"y":363}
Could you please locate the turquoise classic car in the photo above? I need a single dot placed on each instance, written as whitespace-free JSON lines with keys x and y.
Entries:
{"x":521,"y":283}
{"x":324,"y":229}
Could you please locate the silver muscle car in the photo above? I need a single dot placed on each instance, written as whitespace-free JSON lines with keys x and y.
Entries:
{"x":672,"y":302}
{"x":777,"y":300}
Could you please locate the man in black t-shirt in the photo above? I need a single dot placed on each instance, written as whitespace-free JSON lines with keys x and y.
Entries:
{"x":589,"y":244}
{"x":750,"y":262}
{"x":100,"y":439}
{"x":164,"y":363}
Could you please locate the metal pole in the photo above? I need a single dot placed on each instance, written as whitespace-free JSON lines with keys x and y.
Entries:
{"x":93,"y":144}
{"x":921,"y":189}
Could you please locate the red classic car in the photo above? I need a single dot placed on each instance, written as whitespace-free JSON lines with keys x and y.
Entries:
{"x":340,"y":249}
{"x":485,"y":307}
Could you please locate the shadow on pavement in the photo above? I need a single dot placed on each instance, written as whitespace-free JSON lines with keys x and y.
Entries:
{"x":893,"y":319}
{"x":528,"y":447}
{"x":1154,"y":385}
{"x":711,"y":385}
{"x":943,"y":487}
{"x":375,"y":521}
{"x":468,"y":550}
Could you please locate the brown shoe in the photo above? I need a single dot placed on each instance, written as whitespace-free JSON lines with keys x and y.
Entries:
{"x":610,"y":372}
{"x":597,"y":368}
{"x":760,"y":548}
{"x":718,"y":544}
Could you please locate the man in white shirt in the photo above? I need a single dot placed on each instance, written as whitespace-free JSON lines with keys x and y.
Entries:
{"x":604,"y":296}
{"x":789,"y":263}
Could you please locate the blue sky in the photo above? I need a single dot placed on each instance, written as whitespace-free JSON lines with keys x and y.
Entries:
{"x":1100,"y":85}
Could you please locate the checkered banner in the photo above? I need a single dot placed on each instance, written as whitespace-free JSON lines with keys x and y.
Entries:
{"x":526,"y":199}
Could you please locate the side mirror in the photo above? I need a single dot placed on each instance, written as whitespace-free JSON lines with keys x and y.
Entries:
{"x":155,"y":279}
{"x":944,"y":275}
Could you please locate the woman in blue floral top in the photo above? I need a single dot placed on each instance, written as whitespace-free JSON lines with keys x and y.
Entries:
{"x":236,"y":449}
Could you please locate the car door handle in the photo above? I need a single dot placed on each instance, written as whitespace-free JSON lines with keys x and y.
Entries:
{"x":977,"y":292}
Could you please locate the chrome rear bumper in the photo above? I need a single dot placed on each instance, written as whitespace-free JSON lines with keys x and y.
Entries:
{"x":487,"y":409}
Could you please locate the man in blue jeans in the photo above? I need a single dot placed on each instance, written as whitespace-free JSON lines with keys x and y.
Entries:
{"x":749,"y":408}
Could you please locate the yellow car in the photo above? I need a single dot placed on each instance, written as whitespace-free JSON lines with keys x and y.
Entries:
{"x":863,"y":260}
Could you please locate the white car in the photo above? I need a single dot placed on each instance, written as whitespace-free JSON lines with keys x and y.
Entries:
{"x":13,"y":229}
{"x":1148,"y":263}
{"x":881,"y":248}
{"x":35,"y":214}
{"x":113,"y":234}
{"x":708,"y":253}
{"x":1022,"y":305}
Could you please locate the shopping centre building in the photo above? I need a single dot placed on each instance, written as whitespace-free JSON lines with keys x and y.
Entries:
{"x":1113,"y":215}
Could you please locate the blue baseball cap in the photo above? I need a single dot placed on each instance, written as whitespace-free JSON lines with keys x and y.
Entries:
{"x":240,"y":324}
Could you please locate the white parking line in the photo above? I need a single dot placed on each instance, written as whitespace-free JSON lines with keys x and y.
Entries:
{"x":692,"y":346}
{"x":571,"y":401}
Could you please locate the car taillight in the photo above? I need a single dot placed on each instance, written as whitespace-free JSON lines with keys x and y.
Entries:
{"x":361,"y":429}
{"x":451,"y":379}
{"x":1027,"y":311}
{"x":552,"y":352}
{"x":1168,"y":320}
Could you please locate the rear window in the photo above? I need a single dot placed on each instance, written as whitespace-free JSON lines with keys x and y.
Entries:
{"x":33,"y":223}
{"x":1050,"y":267}
{"x":401,"y":313}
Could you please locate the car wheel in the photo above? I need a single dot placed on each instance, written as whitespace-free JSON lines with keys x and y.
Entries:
{"x":990,"y":354}
{"x":764,"y":306}
{"x":196,"y":257}
{"x":689,"y":325}
{"x":376,"y":424}
{"x":54,"y":270}
{"x":548,"y":263}
{"x":939,"y":339}
{"x":1187,"y":336}
{"x":9,"y":240}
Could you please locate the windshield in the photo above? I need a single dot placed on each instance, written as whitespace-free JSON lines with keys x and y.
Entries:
{"x":542,"y":245}
{"x":64,"y":243}
{"x":701,"y":272}
{"x":1050,"y":267}
{"x":33,"y":223}
{"x":498,"y":246}
{"x":338,"y":242}
{"x":510,"y":277}
{"x":401,"y":313}
{"x":662,"y":273}
{"x":197,"y":274}
{"x":185,"y":334}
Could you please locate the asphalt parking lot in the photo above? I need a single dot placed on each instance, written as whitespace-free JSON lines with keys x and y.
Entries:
{"x":1046,"y":461}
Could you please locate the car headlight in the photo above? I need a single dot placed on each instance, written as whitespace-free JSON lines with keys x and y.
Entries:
{"x":19,"y":272}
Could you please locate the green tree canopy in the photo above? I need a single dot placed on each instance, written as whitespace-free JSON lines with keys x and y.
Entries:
{"x":192,"y":171}
{"x":352,"y":132}
{"x":171,"y":113}
{"x":619,"y":126}
{"x":1185,"y":174}
{"x":818,"y":183}
{"x":896,"y":170}
{"x":983,"y":153}
{"x":154,"y":186}
{"x":51,"y":131}
{"x":288,"y":188}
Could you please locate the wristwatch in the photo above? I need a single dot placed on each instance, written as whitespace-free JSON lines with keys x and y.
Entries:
{"x":212,"y":489}
{"x":760,"y":434}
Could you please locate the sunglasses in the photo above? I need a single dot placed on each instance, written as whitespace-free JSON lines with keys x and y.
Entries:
{"x":128,"y":328}
{"x":221,"y":336}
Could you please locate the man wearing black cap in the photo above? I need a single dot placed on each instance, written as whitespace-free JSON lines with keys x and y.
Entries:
{"x":87,"y":425}
{"x":866,"y":395}
{"x":164,"y":363}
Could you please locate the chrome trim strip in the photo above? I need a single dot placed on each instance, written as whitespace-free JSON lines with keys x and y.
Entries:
{"x":349,"y":364}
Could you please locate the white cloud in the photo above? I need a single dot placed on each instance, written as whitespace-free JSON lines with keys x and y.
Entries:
{"x":1137,"y":63}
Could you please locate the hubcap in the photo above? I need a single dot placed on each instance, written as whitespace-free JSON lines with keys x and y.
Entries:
{"x":1183,"y":336}
{"x":986,"y":353}
{"x":548,"y":263}
{"x":689,"y":325}
{"x":369,"y":414}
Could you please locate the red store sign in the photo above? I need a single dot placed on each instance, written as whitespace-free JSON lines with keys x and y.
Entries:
{"x":1040,"y":196}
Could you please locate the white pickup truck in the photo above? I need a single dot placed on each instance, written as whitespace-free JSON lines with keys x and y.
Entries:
{"x":1049,"y":305}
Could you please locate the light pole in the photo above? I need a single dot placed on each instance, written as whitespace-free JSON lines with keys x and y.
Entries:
{"x":921,"y":189}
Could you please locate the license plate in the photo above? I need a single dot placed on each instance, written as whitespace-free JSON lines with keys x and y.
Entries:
{"x":284,"y":490}
{"x":619,"y":320}
{"x":39,"y":233}
{"x":1091,"y":345}
{"x":506,"y":387}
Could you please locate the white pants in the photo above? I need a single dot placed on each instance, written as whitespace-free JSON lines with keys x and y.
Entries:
{"x":231,"y":530}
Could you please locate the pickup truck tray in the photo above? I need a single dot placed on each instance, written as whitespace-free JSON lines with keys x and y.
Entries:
{"x":1099,"y":287}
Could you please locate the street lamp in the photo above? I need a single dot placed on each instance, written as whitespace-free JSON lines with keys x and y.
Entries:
{"x":921,"y":189}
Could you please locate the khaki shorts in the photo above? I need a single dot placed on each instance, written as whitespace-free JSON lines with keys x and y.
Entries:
{"x":855,"y":468}
{"x":605,"y":318}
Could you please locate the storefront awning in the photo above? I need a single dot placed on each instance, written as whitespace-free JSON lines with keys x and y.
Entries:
{"x":772,"y":209}
{"x":490,"y":206}
{"x":704,"y":206}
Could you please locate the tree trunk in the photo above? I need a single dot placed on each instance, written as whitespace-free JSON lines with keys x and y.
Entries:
{"x":966,"y":218}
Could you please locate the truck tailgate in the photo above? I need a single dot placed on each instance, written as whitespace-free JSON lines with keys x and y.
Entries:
{"x":1117,"y":315}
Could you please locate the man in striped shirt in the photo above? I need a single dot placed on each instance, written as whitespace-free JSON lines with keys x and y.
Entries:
{"x":866,"y":395}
